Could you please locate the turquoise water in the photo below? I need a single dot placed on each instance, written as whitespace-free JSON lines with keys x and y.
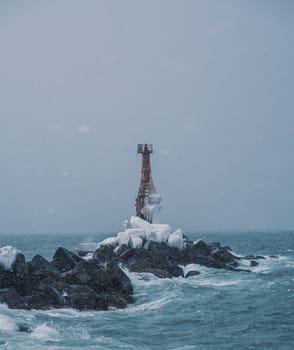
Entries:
{"x":215,"y":310}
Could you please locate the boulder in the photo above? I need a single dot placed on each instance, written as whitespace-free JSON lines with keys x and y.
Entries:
{"x":104,"y":254}
{"x":109,"y":279}
{"x":65,"y":260}
{"x":19,"y":265}
{"x":83,"y":297}
{"x":12,"y":299}
{"x":223,"y":256}
{"x":136,"y":242}
{"x":10,"y":256}
{"x":192,"y":273}
{"x":200,"y":248}
{"x":253,"y":257}
{"x":176,"y":239}
{"x":40,"y":266}
{"x":24,"y":329}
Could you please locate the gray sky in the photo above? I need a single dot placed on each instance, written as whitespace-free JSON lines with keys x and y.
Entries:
{"x":210,"y":83}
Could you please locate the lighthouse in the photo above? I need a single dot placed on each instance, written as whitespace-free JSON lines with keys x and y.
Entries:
{"x":148,"y":200}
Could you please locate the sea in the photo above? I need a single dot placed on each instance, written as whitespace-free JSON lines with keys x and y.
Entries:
{"x":215,"y":310}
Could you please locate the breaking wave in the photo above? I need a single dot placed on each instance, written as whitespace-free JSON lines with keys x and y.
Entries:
{"x":213,"y":310}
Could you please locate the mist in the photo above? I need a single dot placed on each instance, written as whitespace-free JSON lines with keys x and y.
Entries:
{"x":209,"y":83}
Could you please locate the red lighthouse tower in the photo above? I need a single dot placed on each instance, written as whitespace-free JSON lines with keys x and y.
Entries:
{"x":147,"y":201}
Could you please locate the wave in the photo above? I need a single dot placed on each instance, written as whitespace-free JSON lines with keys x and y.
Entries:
{"x":75,"y":333}
{"x":152,"y":305}
{"x":7,"y":324}
{"x":45,"y":332}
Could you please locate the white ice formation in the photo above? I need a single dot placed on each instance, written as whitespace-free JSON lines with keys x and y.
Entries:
{"x":7,"y":256}
{"x":153,"y":207}
{"x":138,"y":233}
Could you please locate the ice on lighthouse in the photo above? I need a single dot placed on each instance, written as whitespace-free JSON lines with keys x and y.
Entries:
{"x":140,"y":230}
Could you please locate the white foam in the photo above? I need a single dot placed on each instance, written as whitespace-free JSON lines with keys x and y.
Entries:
{"x":236,"y":254}
{"x":153,"y":305}
{"x":7,"y":256}
{"x":213,"y":283}
{"x":45,"y":332}
{"x":188,"y":268}
{"x":76,"y":333}
{"x":7,"y":324}
{"x":137,"y":277}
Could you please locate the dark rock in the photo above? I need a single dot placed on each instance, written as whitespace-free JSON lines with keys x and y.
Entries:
{"x":116,"y":301}
{"x":40,"y":265}
{"x":118,"y":282}
{"x":253,"y":257}
{"x":55,"y":297}
{"x":110,"y":278}
{"x":201,"y":248}
{"x":83,"y":285}
{"x":274,"y":257}
{"x":192,"y":273}
{"x":227,"y":247}
{"x":12,"y":299}
{"x":65,"y":260}
{"x":24,"y":329}
{"x":19,"y":279}
{"x":104,"y":254}
{"x":100,"y":283}
{"x":224,"y":256}
{"x":19,"y":266}
{"x":158,"y":256}
{"x":83,"y":297}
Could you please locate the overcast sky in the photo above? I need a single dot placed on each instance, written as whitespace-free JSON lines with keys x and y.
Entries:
{"x":210,"y":83}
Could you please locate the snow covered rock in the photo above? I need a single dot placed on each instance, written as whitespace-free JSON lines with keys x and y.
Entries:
{"x":160,"y":233}
{"x":111,"y":241}
{"x":176,"y":239}
{"x":136,"y":222}
{"x":190,"y":270}
{"x":137,"y":232}
{"x":136,"y":242}
{"x":123,"y":238}
{"x":85,"y":248}
{"x":8,"y":255}
{"x":201,"y":248}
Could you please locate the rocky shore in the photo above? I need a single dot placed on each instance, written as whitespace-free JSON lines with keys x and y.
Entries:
{"x":97,"y":281}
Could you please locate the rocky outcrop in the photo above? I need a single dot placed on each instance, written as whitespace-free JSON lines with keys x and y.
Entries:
{"x":98,"y":282}
{"x":67,"y":281}
{"x":164,"y":261}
